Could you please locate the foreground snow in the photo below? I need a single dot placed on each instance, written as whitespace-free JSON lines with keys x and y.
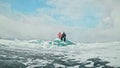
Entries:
{"x":52,"y":54}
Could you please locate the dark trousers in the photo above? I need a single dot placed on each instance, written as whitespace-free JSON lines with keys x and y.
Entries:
{"x":63,"y":38}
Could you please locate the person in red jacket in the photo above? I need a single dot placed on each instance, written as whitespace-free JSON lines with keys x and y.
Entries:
{"x":59,"y":35}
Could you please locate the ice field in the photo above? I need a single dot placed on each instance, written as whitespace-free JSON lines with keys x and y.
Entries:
{"x":57,"y":54}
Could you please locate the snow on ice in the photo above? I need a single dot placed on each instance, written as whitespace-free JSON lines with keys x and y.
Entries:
{"x":57,"y":54}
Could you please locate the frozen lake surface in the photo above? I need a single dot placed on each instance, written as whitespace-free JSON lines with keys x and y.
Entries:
{"x":56,"y":54}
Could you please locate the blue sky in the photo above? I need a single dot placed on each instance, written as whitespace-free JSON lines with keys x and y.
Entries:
{"x":88,"y":20}
{"x":82,"y":20}
{"x":26,"y":6}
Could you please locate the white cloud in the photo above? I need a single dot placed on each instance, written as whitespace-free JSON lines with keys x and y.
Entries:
{"x":44,"y":26}
{"x":26,"y":26}
{"x":108,"y":28}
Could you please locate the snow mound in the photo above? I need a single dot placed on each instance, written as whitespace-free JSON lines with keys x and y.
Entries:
{"x":61,"y":43}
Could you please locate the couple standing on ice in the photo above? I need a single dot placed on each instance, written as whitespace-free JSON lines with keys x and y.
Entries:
{"x":62,"y":36}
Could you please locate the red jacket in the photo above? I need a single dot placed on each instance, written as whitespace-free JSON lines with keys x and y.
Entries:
{"x":59,"y":35}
